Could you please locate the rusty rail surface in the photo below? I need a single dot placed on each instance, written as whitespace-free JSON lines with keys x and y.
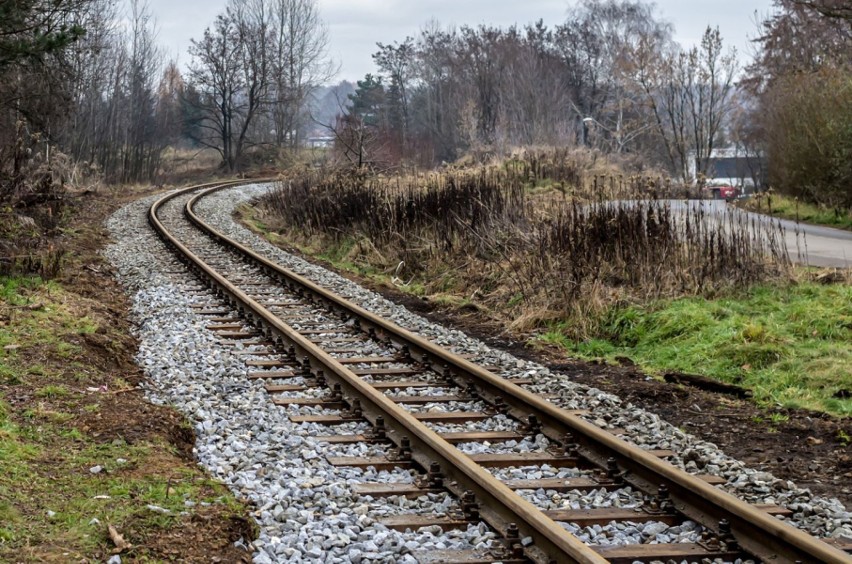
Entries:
{"x":500,"y":506}
{"x":756,"y":532}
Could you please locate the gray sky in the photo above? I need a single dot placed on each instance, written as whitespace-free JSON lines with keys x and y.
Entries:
{"x":356,"y":25}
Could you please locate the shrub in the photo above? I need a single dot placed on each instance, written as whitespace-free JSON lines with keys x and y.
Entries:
{"x":483,"y":233}
{"x":809,"y":136}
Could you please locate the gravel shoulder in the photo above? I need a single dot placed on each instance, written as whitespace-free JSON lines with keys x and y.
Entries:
{"x":304,"y":509}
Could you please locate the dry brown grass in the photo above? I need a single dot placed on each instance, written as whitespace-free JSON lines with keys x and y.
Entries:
{"x":518,"y":240}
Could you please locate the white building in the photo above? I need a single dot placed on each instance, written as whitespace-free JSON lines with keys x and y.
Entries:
{"x":730,"y":166}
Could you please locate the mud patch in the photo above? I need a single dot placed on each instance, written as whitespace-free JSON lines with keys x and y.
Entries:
{"x":132,"y":419}
{"x":203,"y":537}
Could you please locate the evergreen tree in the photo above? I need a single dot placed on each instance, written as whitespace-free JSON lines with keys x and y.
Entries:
{"x":368,"y":101}
{"x":31,"y":29}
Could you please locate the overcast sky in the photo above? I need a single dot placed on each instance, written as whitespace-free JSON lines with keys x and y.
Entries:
{"x":356,"y":25}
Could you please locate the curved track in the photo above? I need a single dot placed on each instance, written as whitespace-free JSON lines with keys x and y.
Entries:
{"x":403,"y":372}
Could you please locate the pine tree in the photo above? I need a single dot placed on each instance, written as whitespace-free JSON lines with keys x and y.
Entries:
{"x":31,"y":29}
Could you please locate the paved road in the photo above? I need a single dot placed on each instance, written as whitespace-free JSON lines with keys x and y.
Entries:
{"x":820,"y":246}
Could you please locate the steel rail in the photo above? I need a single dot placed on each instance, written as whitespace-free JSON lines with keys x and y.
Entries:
{"x":499,"y":505}
{"x":756,"y":532}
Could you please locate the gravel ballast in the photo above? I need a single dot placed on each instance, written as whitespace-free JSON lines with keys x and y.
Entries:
{"x":304,"y":508}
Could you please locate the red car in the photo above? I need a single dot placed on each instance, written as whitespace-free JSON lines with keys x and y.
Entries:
{"x":722,"y":192}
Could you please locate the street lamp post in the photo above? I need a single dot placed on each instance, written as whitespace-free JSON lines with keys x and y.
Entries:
{"x":587,"y":121}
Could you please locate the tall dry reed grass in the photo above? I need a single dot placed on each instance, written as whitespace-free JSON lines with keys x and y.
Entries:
{"x":481,"y":234}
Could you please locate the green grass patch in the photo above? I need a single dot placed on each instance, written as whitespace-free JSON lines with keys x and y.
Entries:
{"x":49,"y":497}
{"x":52,"y":391}
{"x":14,"y":289}
{"x":790,"y":345}
{"x":9,"y":376}
{"x":51,"y":325}
{"x":785,"y":207}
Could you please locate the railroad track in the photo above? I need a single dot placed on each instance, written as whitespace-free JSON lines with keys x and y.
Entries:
{"x":339,"y":363}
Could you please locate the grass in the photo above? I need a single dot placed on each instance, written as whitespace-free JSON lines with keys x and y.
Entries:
{"x":479,"y":234}
{"x":785,"y":207}
{"x":52,"y":391}
{"x":52,"y":506}
{"x":54,"y":497}
{"x":790,"y":345}
{"x":38,"y":313}
{"x":13,"y":288}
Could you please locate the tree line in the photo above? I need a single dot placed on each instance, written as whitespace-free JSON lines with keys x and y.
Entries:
{"x":611,"y":77}
{"x":84,"y":87}
{"x":85,"y":82}
{"x":75,"y":82}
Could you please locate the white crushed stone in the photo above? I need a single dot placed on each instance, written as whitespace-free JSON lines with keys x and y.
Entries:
{"x":304,"y":507}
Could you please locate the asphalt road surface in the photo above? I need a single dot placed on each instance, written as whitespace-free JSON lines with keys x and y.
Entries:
{"x":807,"y":244}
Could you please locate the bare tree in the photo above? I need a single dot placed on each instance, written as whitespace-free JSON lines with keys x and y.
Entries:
{"x":396,"y":62}
{"x":215,"y":74}
{"x":689,"y":94}
{"x":439,"y":100}
{"x":253,"y":27}
{"x":711,"y":98}
{"x":254,"y":72}
{"x":299,"y":63}
{"x":593,"y":44}
{"x":838,"y":9}
{"x":797,"y":38}
{"x":536,"y":99}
